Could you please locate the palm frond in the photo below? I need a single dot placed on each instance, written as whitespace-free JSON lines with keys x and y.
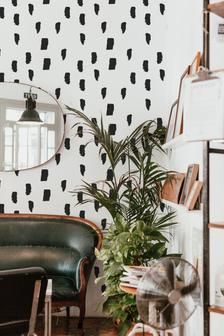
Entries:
{"x":114,"y":149}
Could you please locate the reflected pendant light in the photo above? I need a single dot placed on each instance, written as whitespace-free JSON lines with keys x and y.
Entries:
{"x":30,"y":115}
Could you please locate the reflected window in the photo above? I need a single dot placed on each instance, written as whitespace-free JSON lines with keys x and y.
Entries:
{"x":9,"y":152}
{"x":25,"y":146}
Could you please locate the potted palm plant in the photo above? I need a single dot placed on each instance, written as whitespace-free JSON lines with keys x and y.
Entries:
{"x":132,"y":196}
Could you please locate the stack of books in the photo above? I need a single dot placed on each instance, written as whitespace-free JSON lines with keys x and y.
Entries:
{"x":132,"y":275}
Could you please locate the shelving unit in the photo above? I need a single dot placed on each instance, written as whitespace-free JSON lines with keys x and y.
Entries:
{"x":210,"y":225}
{"x":189,"y":231}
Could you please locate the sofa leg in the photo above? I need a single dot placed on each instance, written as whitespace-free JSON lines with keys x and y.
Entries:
{"x":67,"y":312}
{"x":67,"y":318}
{"x":82,"y":309}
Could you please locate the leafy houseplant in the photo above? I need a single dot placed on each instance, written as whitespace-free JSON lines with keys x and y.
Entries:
{"x":133,"y":199}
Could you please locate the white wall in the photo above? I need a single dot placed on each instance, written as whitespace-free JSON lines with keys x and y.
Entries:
{"x":185,"y":39}
{"x":73,"y":64}
{"x":184,"y":28}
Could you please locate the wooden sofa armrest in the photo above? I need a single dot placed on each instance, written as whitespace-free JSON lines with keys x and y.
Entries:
{"x":82,"y":274}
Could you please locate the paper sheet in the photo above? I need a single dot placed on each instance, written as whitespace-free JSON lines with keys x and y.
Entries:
{"x":204,"y":109}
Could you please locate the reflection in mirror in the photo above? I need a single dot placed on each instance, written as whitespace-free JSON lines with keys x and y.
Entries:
{"x":25,"y":142}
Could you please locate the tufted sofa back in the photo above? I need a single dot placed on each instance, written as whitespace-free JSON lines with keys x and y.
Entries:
{"x":47,"y":230}
{"x":56,"y":243}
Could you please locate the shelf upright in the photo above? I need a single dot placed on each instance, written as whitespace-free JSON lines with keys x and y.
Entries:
{"x":206,"y":24}
{"x":206,"y":238}
{"x":207,"y":226}
{"x":205,"y":194}
{"x":218,"y":9}
{"x":211,"y":309}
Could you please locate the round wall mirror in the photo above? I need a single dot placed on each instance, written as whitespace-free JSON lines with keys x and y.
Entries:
{"x":31,"y":126}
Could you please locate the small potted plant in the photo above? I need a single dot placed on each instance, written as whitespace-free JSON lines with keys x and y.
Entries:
{"x":132,"y":196}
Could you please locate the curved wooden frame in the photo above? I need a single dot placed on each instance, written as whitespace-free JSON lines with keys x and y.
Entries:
{"x":62,"y":217}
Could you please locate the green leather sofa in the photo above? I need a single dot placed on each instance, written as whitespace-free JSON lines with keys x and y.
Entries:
{"x":63,"y":245}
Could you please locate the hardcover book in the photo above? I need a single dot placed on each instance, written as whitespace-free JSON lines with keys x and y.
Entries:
{"x":172,"y":187}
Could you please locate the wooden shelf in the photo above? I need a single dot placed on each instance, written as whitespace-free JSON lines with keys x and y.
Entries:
{"x":180,"y":206}
{"x":217,"y":8}
{"x":216,"y":225}
{"x":173,"y":205}
{"x":216,"y":309}
{"x":176,"y":142}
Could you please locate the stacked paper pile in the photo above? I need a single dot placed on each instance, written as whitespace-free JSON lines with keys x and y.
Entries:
{"x":132,"y":275}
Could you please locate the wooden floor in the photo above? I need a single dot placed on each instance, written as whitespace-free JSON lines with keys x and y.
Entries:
{"x":92,"y":327}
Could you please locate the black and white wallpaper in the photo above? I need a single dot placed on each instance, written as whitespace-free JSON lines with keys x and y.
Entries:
{"x":104,"y":57}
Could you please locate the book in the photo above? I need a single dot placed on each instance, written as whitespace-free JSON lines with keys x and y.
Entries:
{"x":193,"y":195}
{"x":132,"y":275}
{"x":190,"y":178}
{"x":172,"y":187}
{"x":129,"y":279}
{"x":126,"y":284}
{"x":135,"y":270}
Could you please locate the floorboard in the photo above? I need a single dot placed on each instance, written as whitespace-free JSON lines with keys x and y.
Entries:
{"x":92,"y":327}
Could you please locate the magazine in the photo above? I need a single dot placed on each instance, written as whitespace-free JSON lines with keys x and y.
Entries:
{"x":132,"y":275}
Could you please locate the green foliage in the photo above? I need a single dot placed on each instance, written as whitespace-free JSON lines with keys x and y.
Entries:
{"x":138,"y":233}
{"x":129,"y":245}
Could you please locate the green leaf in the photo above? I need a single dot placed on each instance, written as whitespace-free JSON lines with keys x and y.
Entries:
{"x":123,"y":328}
{"x":132,"y":197}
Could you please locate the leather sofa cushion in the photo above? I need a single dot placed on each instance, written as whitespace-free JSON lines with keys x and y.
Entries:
{"x":56,"y":261}
{"x":63,"y":288}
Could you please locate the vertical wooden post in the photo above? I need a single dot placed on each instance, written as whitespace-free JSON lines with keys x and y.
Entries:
{"x":205,"y":56}
{"x":206,"y":179}
{"x":206,"y":241}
